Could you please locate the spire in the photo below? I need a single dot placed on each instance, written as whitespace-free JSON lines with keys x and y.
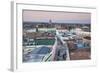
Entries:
{"x":50,"y":21}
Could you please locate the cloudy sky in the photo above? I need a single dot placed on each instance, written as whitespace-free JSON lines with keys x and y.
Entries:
{"x":65,"y":17}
